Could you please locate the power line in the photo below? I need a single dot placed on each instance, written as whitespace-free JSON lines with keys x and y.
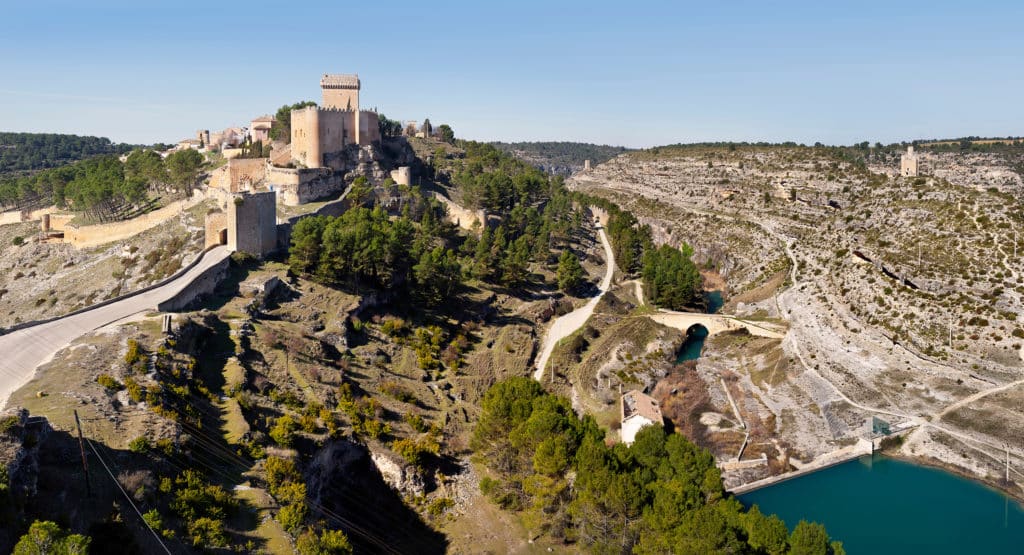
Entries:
{"x":128,"y":497}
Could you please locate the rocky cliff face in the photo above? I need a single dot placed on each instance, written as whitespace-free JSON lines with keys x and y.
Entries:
{"x":352,"y":487}
{"x":20,"y":437}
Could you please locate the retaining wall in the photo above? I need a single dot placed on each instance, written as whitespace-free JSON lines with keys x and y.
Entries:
{"x":203,"y":285}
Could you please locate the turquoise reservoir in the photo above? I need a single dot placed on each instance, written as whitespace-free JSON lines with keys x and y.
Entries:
{"x":877,"y":505}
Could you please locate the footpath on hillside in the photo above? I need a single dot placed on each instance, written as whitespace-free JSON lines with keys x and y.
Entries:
{"x":565,"y":325}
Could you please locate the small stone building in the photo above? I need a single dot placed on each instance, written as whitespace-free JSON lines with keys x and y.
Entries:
{"x":259,"y":129}
{"x":638,"y":410}
{"x":247,"y":224}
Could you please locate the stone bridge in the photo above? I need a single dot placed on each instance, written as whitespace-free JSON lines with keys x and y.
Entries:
{"x":716,"y":323}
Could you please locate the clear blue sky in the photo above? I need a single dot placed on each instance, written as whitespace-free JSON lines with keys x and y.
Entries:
{"x":627,"y":73}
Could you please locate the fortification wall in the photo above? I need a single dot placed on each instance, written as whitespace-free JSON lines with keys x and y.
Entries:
{"x":342,"y":98}
{"x":215,"y":224}
{"x":281,"y":154}
{"x":19,"y":216}
{"x":313,"y":190}
{"x":240,"y":174}
{"x":93,"y":235}
{"x":335,"y":131}
{"x":402,"y":175}
{"x":12,"y":217}
{"x":460,"y":216}
{"x":369,"y":127}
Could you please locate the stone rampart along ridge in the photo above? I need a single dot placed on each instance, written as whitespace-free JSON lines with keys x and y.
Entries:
{"x":463,"y":217}
{"x":94,"y":235}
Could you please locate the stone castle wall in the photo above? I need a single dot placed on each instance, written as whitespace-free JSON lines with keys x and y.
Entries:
{"x":204,"y":284}
{"x":215,"y":224}
{"x":463,"y":217}
{"x":94,"y":235}
{"x":402,"y":175}
{"x":299,"y":186}
{"x":239,"y":174}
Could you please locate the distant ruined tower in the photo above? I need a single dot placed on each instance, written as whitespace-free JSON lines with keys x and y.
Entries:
{"x":586,"y":165}
{"x":908,"y":163}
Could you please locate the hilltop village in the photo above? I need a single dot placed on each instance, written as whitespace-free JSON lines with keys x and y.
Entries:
{"x":330,"y":331}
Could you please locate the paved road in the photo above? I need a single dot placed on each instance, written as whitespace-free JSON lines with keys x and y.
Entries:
{"x":24,"y":350}
{"x":565,"y":325}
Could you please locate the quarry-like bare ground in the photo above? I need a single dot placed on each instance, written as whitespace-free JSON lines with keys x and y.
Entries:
{"x":902,"y":295}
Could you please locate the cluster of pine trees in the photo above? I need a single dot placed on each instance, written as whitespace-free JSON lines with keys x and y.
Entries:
{"x":103,"y":187}
{"x":25,"y":152}
{"x":417,"y":253}
{"x":662,"y":494}
{"x":671,"y":279}
{"x":364,"y":248}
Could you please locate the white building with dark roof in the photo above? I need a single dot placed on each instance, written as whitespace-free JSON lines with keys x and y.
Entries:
{"x":638,"y":410}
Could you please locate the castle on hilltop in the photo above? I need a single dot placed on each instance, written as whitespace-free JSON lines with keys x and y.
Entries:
{"x":321,"y":133}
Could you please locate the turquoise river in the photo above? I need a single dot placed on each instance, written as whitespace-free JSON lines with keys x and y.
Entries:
{"x":878,"y":505}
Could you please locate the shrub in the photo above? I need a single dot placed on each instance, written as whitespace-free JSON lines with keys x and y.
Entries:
{"x":283,"y":432}
{"x":395,"y":327}
{"x":139,"y":444}
{"x":109,"y":382}
{"x":330,"y":542}
{"x":291,"y":516}
{"x":135,"y":392}
{"x":18,"y":241}
{"x":416,"y":422}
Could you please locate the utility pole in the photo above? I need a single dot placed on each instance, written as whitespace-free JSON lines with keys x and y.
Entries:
{"x":85,"y":462}
{"x":1007,"y":463}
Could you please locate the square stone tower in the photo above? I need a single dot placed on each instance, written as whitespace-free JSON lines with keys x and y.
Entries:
{"x":340,"y":91}
{"x":908,"y":163}
{"x":252,"y":223}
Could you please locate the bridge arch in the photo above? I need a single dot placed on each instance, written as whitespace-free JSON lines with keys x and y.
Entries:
{"x":715,"y":323}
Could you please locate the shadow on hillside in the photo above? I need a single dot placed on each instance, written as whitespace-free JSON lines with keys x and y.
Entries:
{"x":352,"y":495}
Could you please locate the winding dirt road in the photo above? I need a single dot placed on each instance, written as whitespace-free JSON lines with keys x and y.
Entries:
{"x":569,"y":323}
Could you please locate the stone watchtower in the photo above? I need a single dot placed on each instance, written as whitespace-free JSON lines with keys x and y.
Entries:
{"x":908,"y":163}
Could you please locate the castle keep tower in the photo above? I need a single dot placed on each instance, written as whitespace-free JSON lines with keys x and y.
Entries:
{"x":340,"y":91}
{"x":321,"y":133}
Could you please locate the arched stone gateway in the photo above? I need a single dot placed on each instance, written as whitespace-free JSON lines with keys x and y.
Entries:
{"x":716,"y":323}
